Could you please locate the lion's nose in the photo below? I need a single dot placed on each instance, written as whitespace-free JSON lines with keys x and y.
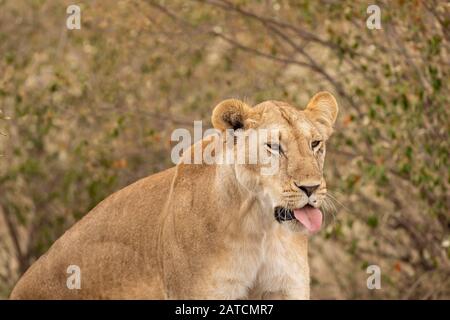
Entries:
{"x":307,"y":189}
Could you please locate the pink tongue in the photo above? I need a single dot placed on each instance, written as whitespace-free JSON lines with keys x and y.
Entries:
{"x":310,"y":217}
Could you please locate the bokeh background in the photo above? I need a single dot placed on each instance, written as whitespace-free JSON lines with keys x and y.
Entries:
{"x":85,"y":112}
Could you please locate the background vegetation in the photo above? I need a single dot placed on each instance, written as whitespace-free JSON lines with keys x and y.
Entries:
{"x":86,"y":112}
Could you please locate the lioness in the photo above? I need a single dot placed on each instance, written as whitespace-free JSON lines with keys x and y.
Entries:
{"x":204,"y":231}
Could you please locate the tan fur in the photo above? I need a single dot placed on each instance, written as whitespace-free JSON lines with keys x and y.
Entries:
{"x":198,"y":231}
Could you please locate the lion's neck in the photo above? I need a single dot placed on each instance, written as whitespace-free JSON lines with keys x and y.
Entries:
{"x":246,"y":210}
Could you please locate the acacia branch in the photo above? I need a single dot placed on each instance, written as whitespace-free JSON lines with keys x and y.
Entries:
{"x":305,"y":35}
{"x":14,"y":235}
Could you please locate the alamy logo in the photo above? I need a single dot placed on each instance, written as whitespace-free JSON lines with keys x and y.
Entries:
{"x":228,"y":147}
{"x":74,"y":19}
{"x":374,"y":20}
{"x":374,"y":280}
{"x":74,"y":280}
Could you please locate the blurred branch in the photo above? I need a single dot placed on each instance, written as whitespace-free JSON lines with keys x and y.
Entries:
{"x":443,"y":20}
{"x":170,"y":14}
{"x":14,"y":235}
{"x":273,"y":26}
{"x":153,"y":114}
{"x":302,"y":33}
{"x":228,"y":6}
{"x":411,"y":289}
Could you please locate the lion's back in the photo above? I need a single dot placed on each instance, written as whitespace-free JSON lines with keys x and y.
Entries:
{"x":114,"y":247}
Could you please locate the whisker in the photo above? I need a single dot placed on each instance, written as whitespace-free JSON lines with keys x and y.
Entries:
{"x":332,"y":197}
{"x":329,"y":207}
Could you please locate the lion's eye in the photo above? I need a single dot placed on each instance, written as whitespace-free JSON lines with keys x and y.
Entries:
{"x":315,"y":143}
{"x":274,"y":147}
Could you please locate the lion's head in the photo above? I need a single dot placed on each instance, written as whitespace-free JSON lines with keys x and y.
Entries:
{"x":295,"y":191}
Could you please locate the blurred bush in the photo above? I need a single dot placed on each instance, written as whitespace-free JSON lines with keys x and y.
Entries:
{"x":86,"y":112}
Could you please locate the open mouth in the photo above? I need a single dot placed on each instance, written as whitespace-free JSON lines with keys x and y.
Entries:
{"x":310,"y":217}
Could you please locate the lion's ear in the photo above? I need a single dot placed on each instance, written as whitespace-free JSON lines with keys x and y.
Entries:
{"x":323,"y":108}
{"x":230,"y":114}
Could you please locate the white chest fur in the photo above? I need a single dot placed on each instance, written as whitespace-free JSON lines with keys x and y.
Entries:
{"x":273,"y":266}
